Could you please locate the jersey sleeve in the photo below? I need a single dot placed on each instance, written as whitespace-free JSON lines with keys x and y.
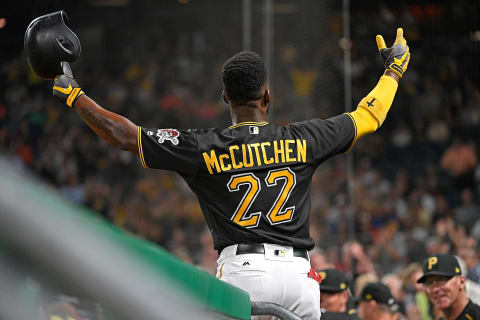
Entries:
{"x":327,"y":137}
{"x":168,"y":149}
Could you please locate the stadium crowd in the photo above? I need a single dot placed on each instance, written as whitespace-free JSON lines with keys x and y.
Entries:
{"x":416,"y":189}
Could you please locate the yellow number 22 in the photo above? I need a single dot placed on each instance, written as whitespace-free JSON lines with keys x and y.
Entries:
{"x":277,"y":214}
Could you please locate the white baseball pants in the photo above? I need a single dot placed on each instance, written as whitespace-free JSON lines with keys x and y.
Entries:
{"x":275,"y":276}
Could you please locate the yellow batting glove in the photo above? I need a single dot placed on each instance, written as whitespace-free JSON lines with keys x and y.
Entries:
{"x":65,"y":87}
{"x":397,"y":57}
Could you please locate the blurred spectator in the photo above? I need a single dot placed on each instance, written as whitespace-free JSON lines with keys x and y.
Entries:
{"x":362,"y":280}
{"x":318,"y":260}
{"x":415,"y":299}
{"x":355,"y":259}
{"x":334,"y":296}
{"x":472,"y":288}
{"x":468,"y":212}
{"x":208,"y":256}
{"x":394,"y":283}
{"x":377,"y":303}
{"x":389,"y":247}
{"x":472,"y":262}
{"x":459,"y":161}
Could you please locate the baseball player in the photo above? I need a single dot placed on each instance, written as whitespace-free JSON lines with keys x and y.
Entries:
{"x":445,"y":286}
{"x":377,"y":303}
{"x":335,"y":295}
{"x":253,"y":178}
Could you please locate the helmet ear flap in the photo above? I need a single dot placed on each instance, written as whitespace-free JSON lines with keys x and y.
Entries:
{"x":48,"y":41}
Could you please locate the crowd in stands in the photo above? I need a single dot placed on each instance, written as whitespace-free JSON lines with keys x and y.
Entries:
{"x":416,"y":180}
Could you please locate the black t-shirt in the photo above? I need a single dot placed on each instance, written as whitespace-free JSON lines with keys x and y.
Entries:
{"x":339,"y":316}
{"x":252,"y":179}
{"x":471,"y":312}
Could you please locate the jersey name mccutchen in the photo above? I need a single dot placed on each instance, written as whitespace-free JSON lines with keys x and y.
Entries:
{"x":256,"y":154}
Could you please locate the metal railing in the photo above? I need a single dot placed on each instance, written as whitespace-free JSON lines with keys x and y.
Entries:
{"x":273,"y":309}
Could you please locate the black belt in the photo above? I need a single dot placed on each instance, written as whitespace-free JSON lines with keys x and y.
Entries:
{"x":259,"y":248}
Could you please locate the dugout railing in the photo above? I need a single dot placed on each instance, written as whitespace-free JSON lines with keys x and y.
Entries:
{"x":47,"y":239}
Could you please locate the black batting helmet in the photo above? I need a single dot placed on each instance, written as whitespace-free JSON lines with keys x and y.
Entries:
{"x":48,"y":41}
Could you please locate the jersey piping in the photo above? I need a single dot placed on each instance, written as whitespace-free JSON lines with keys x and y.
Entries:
{"x":140,"y":150}
{"x":248,"y":123}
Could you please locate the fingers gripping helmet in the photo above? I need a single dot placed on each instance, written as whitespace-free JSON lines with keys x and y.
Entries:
{"x":48,"y":42}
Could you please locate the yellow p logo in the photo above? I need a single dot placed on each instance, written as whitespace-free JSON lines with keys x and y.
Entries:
{"x":431,"y":262}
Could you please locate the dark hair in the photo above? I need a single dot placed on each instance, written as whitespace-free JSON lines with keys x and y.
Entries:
{"x":243,"y":76}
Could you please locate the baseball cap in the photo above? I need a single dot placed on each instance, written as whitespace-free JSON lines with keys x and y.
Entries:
{"x":332,"y":281}
{"x":440,"y":265}
{"x":380,"y":293}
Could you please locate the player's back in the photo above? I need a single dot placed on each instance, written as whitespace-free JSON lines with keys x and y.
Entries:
{"x":252,"y":179}
{"x":258,"y":176}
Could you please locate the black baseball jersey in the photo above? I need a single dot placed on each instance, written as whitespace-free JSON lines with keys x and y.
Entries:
{"x":252,"y":179}
{"x":471,"y":312}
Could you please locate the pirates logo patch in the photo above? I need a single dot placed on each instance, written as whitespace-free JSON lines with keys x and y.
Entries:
{"x":168,"y":134}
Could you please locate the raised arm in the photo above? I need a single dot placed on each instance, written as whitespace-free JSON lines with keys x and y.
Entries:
{"x":113,"y":128}
{"x":372,"y":110}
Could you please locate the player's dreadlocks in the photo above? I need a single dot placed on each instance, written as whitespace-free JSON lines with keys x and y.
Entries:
{"x":243,"y":76}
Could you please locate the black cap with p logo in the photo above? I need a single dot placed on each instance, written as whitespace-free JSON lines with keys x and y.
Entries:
{"x":440,"y":265}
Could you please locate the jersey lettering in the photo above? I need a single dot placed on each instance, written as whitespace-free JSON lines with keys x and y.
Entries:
{"x":256,"y":154}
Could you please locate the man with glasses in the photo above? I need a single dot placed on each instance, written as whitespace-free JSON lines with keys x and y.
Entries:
{"x":445,"y":286}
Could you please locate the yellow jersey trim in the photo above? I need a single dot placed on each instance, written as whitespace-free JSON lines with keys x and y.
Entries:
{"x":248,"y":123}
{"x":139,"y":143}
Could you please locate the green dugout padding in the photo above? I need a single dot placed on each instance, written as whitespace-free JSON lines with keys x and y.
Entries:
{"x":204,"y":288}
{"x":201,"y":287}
